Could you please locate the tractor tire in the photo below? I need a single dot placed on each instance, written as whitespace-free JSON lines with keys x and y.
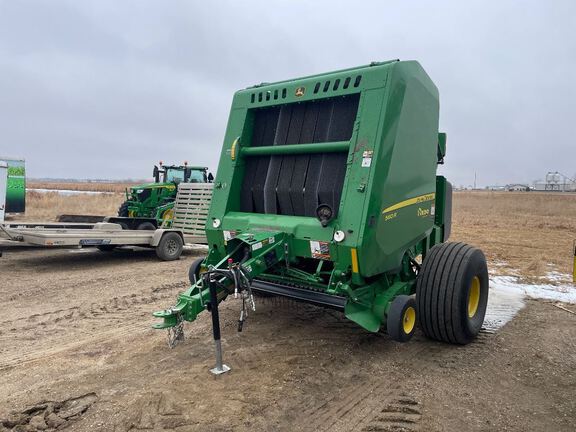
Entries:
{"x":452,"y":293}
{"x":146,"y":226}
{"x":106,"y":248}
{"x":401,"y":319}
{"x":123,"y":209}
{"x":170,"y":247}
{"x":194,"y":271}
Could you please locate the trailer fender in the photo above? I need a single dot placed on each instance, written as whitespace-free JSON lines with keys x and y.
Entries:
{"x":160,"y":232}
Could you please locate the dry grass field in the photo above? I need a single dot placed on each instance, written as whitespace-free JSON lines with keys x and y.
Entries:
{"x":528,"y":234}
{"x":82,"y":186}
{"x":46,"y":206}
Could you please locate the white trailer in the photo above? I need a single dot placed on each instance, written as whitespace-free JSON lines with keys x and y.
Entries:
{"x":190,"y":213}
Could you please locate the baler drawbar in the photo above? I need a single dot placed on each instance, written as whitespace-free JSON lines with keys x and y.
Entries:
{"x":327,"y":193}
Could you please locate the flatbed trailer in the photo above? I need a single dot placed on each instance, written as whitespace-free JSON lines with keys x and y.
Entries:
{"x":47,"y":225}
{"x":191,"y":210}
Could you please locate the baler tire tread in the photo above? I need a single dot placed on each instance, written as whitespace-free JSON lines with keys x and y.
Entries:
{"x":439,"y":292}
{"x":194,"y":270}
{"x":451,"y":334}
{"x":446,"y":271}
{"x":429,"y":269}
{"x":395,"y":318}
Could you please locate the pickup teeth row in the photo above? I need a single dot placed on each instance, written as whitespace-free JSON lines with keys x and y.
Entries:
{"x":281,"y":93}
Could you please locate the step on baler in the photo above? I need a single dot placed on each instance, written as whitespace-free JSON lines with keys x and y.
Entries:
{"x":327,"y":193}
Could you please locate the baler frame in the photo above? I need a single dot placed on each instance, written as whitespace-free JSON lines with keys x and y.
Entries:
{"x":380,"y":208}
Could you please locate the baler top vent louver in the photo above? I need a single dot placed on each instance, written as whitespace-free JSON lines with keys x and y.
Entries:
{"x":277,"y":93}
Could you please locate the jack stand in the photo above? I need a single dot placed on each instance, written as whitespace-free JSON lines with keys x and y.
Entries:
{"x":220,"y":367}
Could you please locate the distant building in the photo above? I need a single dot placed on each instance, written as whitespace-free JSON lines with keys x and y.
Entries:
{"x":517,"y":187}
{"x":556,"y":182}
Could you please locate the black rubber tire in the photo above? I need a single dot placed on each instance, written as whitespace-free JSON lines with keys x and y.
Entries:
{"x":124,"y":225}
{"x":170,"y":247}
{"x":398,"y":313}
{"x":123,"y":209}
{"x":194,"y":271}
{"x":146,"y":226}
{"x":106,"y":248}
{"x":443,"y":290}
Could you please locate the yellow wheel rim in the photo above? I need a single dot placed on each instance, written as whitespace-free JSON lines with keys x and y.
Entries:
{"x":168,"y":215}
{"x":409,"y":320}
{"x":474,"y":297}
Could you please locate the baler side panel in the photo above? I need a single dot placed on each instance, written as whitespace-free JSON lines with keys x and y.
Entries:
{"x":404,"y":182}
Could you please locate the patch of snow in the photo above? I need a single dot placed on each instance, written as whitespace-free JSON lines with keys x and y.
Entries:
{"x":66,"y":192}
{"x":503,"y":305}
{"x":564,"y":293}
{"x":506,"y":296}
{"x":555,"y":276}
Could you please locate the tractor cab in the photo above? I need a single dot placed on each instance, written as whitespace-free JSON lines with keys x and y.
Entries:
{"x":181,"y":173}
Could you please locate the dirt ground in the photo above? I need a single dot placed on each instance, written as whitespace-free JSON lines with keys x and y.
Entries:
{"x":77,"y":352}
{"x":77,"y":325}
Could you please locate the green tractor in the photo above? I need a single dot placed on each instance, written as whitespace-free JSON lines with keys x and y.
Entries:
{"x":150,"y":205}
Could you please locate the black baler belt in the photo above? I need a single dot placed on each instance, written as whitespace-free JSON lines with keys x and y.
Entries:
{"x":296,"y":184}
{"x":273,"y":174}
{"x":269,"y":118}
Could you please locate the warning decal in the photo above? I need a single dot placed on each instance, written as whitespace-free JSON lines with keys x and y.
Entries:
{"x":320,"y":249}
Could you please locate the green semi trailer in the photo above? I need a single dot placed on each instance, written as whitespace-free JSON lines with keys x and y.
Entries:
{"x":327,"y":193}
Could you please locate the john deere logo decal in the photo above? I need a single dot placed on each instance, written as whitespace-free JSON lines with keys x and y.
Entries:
{"x":300,"y":91}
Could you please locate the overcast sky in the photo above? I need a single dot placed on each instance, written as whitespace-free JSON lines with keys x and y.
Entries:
{"x":105,"y":88}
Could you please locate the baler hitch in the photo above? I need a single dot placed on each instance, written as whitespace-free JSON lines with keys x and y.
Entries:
{"x":227,"y":277}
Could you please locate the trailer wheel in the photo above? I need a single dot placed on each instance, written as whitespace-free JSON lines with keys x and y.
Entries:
{"x":401,"y":319}
{"x":194,"y":271}
{"x":170,"y":247}
{"x":452,"y":293}
{"x":146,"y":226}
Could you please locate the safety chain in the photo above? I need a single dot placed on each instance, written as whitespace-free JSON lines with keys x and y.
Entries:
{"x":176,"y":333}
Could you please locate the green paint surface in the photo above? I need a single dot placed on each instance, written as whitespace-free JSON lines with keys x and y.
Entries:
{"x":16,"y":186}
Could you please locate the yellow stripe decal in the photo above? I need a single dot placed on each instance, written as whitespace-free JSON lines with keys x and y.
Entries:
{"x":411,"y":201}
{"x":354,"y":256}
